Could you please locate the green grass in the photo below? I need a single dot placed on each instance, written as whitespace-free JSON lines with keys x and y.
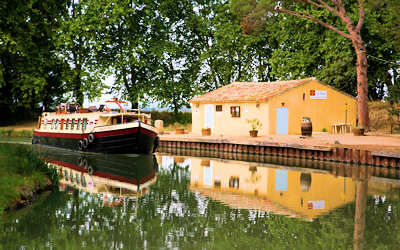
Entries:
{"x":169,"y":118}
{"x":20,"y":168}
{"x":13,"y":133}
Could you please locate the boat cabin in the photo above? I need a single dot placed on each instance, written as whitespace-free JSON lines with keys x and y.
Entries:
{"x":78,"y":120}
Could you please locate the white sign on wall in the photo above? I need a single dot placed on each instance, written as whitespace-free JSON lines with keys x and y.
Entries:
{"x":318,"y":94}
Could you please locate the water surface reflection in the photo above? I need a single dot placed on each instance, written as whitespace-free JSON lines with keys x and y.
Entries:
{"x":299,"y":193}
{"x":110,"y":175}
{"x":179,"y":202}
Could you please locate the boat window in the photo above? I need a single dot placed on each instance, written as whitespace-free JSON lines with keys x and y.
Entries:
{"x":66,"y":175}
{"x":84,"y":123}
{"x":78,"y":125}
{"x":56,"y":125}
{"x":67,"y":124}
{"x":71,"y":175}
{"x":62,"y":124}
{"x":72,"y":123}
{"x":78,"y":180}
{"x":83,"y":181}
{"x":52,"y":124}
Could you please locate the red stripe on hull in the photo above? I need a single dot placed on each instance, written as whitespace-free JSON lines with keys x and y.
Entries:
{"x":148,"y":132}
{"x":97,"y":134}
{"x":66,"y":164}
{"x":101,"y":174}
{"x":59,"y":135}
{"x":116,"y":132}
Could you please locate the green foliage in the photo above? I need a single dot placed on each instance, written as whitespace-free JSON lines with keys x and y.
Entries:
{"x":21,"y":169}
{"x":27,"y":54}
{"x":19,"y":133}
{"x":170,"y":118}
{"x":170,"y":51}
{"x":304,"y":48}
{"x":393,"y":109}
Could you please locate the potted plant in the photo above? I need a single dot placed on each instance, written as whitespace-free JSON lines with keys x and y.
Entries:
{"x":206,"y":131}
{"x":358,"y":131}
{"x":255,"y":125}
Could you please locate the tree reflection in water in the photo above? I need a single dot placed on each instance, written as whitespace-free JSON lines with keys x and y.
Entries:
{"x":170,"y":216}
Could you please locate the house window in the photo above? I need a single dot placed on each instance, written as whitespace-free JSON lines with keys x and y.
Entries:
{"x":218,"y":108}
{"x":235,"y":111}
{"x":234,"y":182}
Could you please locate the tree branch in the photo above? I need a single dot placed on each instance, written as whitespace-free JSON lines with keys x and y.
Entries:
{"x":362,"y":15}
{"x":343,"y":15}
{"x":323,"y":5}
{"x":310,"y":17}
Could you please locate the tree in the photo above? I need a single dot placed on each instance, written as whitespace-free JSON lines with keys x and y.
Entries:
{"x":77,"y":46}
{"x":252,"y":11}
{"x":27,"y":54}
{"x":227,"y":53}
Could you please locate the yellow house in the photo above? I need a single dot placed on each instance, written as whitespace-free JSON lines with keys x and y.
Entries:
{"x":279,"y":106}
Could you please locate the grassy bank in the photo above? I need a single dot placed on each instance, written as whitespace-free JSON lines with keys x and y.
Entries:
{"x":16,"y":133}
{"x":22,"y":174}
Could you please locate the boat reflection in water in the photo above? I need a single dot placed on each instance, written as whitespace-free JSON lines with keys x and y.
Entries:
{"x":115,"y":177}
{"x":295,"y":192}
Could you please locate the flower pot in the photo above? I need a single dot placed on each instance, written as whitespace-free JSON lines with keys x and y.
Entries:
{"x":253,"y":133}
{"x":358,"y":131}
{"x":179,"y":131}
{"x":206,"y":131}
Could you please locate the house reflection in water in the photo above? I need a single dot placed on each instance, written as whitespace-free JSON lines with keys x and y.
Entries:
{"x":300,"y":193}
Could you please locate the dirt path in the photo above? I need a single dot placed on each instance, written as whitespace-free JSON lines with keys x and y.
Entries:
{"x":23,"y":126}
{"x":373,"y":142}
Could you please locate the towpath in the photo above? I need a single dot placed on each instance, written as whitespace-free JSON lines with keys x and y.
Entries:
{"x":372,"y":142}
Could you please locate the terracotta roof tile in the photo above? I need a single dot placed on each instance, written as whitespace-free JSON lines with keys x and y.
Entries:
{"x":248,"y":91}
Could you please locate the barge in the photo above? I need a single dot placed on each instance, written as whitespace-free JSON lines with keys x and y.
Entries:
{"x":97,"y":130}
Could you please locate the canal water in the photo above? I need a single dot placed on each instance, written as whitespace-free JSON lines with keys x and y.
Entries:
{"x":186,"y":202}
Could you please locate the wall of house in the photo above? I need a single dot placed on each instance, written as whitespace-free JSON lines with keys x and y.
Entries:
{"x":225,"y":124}
{"x":320,"y":194}
{"x":309,"y":194}
{"x":323,"y":112}
{"x":232,"y":176}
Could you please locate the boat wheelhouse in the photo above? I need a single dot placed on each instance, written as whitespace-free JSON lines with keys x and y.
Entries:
{"x":97,"y":130}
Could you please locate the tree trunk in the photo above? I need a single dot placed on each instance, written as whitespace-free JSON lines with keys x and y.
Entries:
{"x":362,"y":83}
{"x":79,"y":97}
{"x":360,"y":214}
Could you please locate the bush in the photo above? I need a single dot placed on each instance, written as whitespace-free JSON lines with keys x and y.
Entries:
{"x":21,"y":169}
{"x":19,"y":133}
{"x":6,"y":132}
{"x":169,"y":118}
